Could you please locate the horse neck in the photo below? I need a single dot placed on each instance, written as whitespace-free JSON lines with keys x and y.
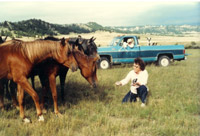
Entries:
{"x":81,"y":59}
{"x":39,"y":51}
{"x":45,"y":57}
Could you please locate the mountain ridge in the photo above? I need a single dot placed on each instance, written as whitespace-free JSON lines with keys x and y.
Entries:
{"x":39,"y":28}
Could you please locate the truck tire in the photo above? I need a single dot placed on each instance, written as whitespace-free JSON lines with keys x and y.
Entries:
{"x":164,"y":61}
{"x":104,"y":63}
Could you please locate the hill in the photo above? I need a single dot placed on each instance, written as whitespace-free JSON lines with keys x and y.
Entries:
{"x":39,"y":28}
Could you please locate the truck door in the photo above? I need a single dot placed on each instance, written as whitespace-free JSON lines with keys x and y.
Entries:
{"x":127,"y":53}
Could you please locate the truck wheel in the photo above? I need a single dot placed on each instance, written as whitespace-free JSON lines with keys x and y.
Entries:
{"x":104,"y":63}
{"x":164,"y":61}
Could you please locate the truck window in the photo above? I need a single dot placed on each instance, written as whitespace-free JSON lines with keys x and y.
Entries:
{"x":115,"y":41}
{"x":128,"y":41}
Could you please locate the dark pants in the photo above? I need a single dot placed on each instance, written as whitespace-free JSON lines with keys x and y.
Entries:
{"x":141,"y":93}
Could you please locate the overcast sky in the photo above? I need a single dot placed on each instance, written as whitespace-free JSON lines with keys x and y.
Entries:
{"x":106,"y":13}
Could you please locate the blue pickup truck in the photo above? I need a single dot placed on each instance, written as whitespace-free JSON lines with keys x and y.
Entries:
{"x":122,"y":50}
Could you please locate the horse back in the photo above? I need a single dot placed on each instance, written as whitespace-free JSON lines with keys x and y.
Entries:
{"x":11,"y":61}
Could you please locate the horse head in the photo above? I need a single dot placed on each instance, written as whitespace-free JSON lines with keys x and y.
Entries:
{"x":88,"y":46}
{"x":87,"y":66}
{"x":67,"y":55}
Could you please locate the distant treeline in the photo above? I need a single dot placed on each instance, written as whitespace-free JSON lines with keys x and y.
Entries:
{"x":39,"y":28}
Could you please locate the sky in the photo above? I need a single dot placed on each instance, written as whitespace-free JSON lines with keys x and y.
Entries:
{"x":105,"y":13}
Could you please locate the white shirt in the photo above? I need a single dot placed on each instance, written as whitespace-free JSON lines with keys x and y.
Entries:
{"x":124,"y":45}
{"x":141,"y":77}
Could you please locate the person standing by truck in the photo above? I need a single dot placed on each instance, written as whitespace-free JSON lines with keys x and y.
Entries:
{"x":138,"y":77}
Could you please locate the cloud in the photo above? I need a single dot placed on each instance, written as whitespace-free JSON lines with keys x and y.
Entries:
{"x":107,"y":13}
{"x":171,"y":13}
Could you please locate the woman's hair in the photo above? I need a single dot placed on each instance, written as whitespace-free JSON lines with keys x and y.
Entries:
{"x":140,"y":62}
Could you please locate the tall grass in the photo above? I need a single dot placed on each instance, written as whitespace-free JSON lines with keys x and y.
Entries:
{"x":173,"y":106}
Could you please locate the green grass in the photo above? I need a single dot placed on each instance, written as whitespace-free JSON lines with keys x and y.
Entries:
{"x":173,"y":106}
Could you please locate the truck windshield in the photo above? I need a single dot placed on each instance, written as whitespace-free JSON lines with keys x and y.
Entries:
{"x":115,"y":41}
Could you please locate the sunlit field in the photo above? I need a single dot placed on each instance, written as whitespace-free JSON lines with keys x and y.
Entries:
{"x":104,"y":38}
{"x":173,"y":105}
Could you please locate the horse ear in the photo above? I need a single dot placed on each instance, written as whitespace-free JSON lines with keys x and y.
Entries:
{"x":94,"y":39}
{"x":80,"y":40}
{"x":77,"y":41}
{"x":91,"y":39}
{"x":70,"y":46}
{"x":63,"y":41}
{"x":5,"y":38}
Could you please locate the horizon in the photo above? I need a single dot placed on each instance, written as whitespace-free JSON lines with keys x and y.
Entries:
{"x":104,"y":26}
{"x":106,"y":13}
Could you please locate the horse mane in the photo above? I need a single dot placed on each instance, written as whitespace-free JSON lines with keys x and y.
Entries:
{"x":51,"y":38}
{"x":88,"y":46}
{"x":73,"y":41}
{"x":33,"y":50}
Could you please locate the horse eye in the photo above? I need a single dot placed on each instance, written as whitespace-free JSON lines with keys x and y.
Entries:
{"x":68,"y":53}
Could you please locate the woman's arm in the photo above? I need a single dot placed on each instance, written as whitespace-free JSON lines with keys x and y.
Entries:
{"x":125,"y":80}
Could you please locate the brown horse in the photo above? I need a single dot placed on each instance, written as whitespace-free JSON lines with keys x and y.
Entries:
{"x":48,"y":71}
{"x":17,"y":58}
{"x":87,"y":46}
{"x":5,"y":84}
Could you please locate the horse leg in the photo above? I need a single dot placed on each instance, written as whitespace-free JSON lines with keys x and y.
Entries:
{"x":23,"y":82}
{"x":20,"y":95}
{"x":45,"y":85}
{"x":32,"y":81}
{"x":13,"y":87}
{"x":52,"y":83}
{"x":1,"y":95}
{"x":62,"y":77}
{"x":7,"y":90}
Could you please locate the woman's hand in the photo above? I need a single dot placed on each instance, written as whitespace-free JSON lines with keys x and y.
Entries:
{"x":136,"y":84}
{"x":118,"y":83}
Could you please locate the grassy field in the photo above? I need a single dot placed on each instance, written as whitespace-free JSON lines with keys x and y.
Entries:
{"x":104,"y":38}
{"x":173,"y":106}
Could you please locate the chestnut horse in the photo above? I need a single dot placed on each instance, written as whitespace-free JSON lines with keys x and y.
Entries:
{"x":4,"y":84}
{"x":48,"y":71}
{"x":17,"y":58}
{"x":89,"y":48}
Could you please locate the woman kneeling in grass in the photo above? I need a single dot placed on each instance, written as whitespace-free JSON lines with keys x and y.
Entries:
{"x":138,"y":77}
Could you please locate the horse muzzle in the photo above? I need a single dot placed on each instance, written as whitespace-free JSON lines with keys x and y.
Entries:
{"x":94,"y":84}
{"x":73,"y":68}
